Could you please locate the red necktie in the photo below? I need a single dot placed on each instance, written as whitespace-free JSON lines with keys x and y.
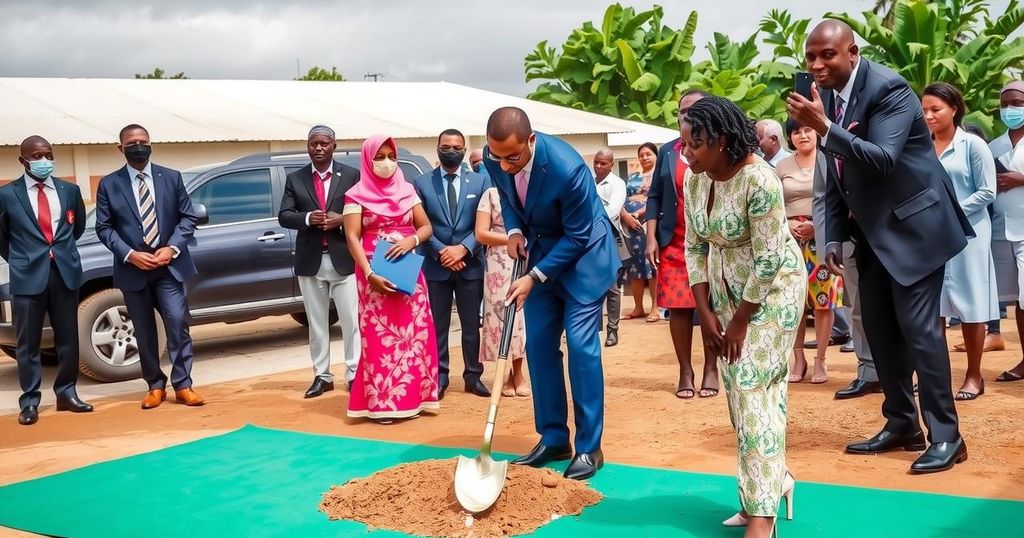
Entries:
{"x":44,"y":213}
{"x":321,"y":196}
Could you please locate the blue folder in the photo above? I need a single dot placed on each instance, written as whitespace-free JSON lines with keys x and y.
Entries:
{"x":402,"y":272}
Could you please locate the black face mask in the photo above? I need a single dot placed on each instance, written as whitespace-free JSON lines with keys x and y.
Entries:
{"x":450,"y":158}
{"x":138,"y":153}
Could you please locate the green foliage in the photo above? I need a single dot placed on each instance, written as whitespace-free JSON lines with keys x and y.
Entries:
{"x":955,"y":41}
{"x":160,"y":74}
{"x":635,"y":67}
{"x":631,"y":67}
{"x":318,"y":73}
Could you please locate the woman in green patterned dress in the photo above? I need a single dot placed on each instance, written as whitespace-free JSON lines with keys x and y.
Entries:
{"x":749,"y":282}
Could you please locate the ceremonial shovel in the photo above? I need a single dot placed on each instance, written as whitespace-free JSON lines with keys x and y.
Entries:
{"x":478,"y":481}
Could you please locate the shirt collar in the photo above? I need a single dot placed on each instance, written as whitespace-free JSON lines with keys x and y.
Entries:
{"x":457,"y":173}
{"x":844,"y":93}
{"x":31,"y":182}
{"x":330,"y":170}
{"x":132,"y":171}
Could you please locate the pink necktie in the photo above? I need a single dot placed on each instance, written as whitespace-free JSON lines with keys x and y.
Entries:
{"x":521,"y":186}
{"x":839,"y":121}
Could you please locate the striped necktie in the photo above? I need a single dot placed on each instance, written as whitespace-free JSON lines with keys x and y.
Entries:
{"x":150,"y":232}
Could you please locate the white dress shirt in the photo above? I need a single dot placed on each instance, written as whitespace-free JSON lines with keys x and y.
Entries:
{"x":527,"y":170}
{"x":327,"y":183}
{"x":147,"y":174}
{"x":779,"y":155}
{"x":612,"y":192}
{"x":457,"y":181}
{"x":51,"y":197}
{"x":843,"y":95}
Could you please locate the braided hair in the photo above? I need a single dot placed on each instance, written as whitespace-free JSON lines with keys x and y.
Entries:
{"x":713,"y":117}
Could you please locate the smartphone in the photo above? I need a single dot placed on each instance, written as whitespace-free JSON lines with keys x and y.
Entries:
{"x":802,"y":84}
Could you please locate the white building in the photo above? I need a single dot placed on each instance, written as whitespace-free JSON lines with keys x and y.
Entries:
{"x":197,"y":122}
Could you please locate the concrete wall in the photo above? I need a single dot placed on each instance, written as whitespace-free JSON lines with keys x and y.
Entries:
{"x":87,"y":164}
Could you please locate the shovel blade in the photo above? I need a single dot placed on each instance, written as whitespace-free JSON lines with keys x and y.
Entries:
{"x":478,"y":482}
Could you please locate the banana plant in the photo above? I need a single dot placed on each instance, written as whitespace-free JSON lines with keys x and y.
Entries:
{"x":954,"y":41}
{"x":630,"y":67}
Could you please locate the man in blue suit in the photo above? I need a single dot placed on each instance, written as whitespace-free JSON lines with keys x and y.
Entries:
{"x":557,"y":222}
{"x":454,"y":260}
{"x":41,"y":216}
{"x":145,"y":217}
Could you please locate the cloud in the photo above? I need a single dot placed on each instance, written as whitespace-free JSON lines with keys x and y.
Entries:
{"x":481,"y":44}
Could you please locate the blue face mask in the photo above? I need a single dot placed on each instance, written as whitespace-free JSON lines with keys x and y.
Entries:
{"x":1012,"y":116}
{"x":479,"y":166}
{"x":41,"y":168}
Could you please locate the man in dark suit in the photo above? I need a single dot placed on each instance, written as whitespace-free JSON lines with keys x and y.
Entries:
{"x":314,"y":197}
{"x":41,"y":216}
{"x":550,"y":205}
{"x":454,"y":261}
{"x":145,"y":217}
{"x":889,"y":193}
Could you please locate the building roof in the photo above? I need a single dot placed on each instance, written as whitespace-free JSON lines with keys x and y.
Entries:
{"x":92,"y":111}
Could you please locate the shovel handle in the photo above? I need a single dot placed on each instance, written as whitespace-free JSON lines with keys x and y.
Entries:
{"x":502,"y":363}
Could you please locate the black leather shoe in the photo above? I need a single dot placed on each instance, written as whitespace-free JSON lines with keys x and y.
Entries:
{"x":832,"y":341}
{"x":858,"y":388}
{"x":319,"y":387}
{"x":541,"y":455}
{"x":940,"y":457}
{"x":584,"y":465}
{"x":477,"y":387}
{"x":29,"y":415}
{"x":887,"y":441}
{"x":612,"y":339}
{"x":440,"y":392}
{"x":73,"y":404}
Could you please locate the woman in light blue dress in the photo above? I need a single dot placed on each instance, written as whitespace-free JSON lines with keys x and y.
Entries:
{"x":969,"y":289}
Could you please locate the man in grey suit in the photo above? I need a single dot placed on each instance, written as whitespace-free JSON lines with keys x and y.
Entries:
{"x":887,"y":191}
{"x":454,"y":261}
{"x":867,"y":379}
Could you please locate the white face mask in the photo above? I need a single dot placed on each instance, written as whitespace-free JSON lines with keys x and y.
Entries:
{"x":385,"y":168}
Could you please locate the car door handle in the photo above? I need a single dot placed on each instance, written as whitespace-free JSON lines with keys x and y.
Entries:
{"x":270,"y":237}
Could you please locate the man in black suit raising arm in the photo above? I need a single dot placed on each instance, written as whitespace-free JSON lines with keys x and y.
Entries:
{"x":888,"y":192}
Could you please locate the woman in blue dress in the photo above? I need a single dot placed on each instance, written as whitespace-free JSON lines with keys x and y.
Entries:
{"x":638,"y":271}
{"x":969,"y":289}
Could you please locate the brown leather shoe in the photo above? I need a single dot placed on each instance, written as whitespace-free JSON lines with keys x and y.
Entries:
{"x":188,"y":397}
{"x":154,"y":399}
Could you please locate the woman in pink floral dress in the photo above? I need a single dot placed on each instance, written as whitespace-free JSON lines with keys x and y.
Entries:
{"x":397,"y":374}
{"x":490,"y":231}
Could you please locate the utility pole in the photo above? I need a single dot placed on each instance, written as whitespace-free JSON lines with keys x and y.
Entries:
{"x":376,"y":77}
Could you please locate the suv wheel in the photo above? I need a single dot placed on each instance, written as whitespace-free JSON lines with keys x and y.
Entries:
{"x":301,"y":318}
{"x":106,"y":338}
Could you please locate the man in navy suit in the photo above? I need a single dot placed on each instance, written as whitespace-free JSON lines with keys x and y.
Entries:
{"x":454,"y":261}
{"x":557,"y":222}
{"x":41,"y":216}
{"x":888,"y":193}
{"x":145,"y":217}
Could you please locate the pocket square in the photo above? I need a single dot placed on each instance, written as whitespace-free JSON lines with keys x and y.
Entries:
{"x":852,"y":126}
{"x":468,"y":196}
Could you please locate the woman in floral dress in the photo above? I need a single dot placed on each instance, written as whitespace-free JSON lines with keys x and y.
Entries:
{"x":747,"y":275}
{"x":397,"y":374}
{"x":637,"y":269}
{"x":490,"y":231}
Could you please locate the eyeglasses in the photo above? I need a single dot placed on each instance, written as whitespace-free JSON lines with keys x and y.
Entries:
{"x":497,"y":159}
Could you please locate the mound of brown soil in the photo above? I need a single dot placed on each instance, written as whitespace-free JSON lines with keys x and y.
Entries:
{"x":419,"y":498}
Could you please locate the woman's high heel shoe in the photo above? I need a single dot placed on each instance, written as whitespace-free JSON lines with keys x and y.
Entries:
{"x":788,"y":485}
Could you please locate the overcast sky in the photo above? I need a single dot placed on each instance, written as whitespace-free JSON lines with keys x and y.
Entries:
{"x":480,"y":44}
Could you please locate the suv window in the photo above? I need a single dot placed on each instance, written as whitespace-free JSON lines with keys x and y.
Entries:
{"x":237,"y":197}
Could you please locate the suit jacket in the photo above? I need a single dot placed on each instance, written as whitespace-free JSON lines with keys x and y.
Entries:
{"x":22,"y":244}
{"x":458,"y":229}
{"x":662,"y":199}
{"x":568,"y":233}
{"x":818,"y":187}
{"x":900,"y":197}
{"x":298,"y":200}
{"x":119,"y":225}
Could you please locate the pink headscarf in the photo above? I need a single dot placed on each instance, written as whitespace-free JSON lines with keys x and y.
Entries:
{"x":388,"y":197}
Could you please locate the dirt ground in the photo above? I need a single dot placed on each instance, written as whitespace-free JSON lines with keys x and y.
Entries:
{"x":644,"y":425}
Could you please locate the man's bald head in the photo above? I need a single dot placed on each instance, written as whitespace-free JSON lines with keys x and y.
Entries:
{"x":509,"y":121}
{"x":30,"y":144}
{"x":604,"y":159}
{"x":831,"y":54}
